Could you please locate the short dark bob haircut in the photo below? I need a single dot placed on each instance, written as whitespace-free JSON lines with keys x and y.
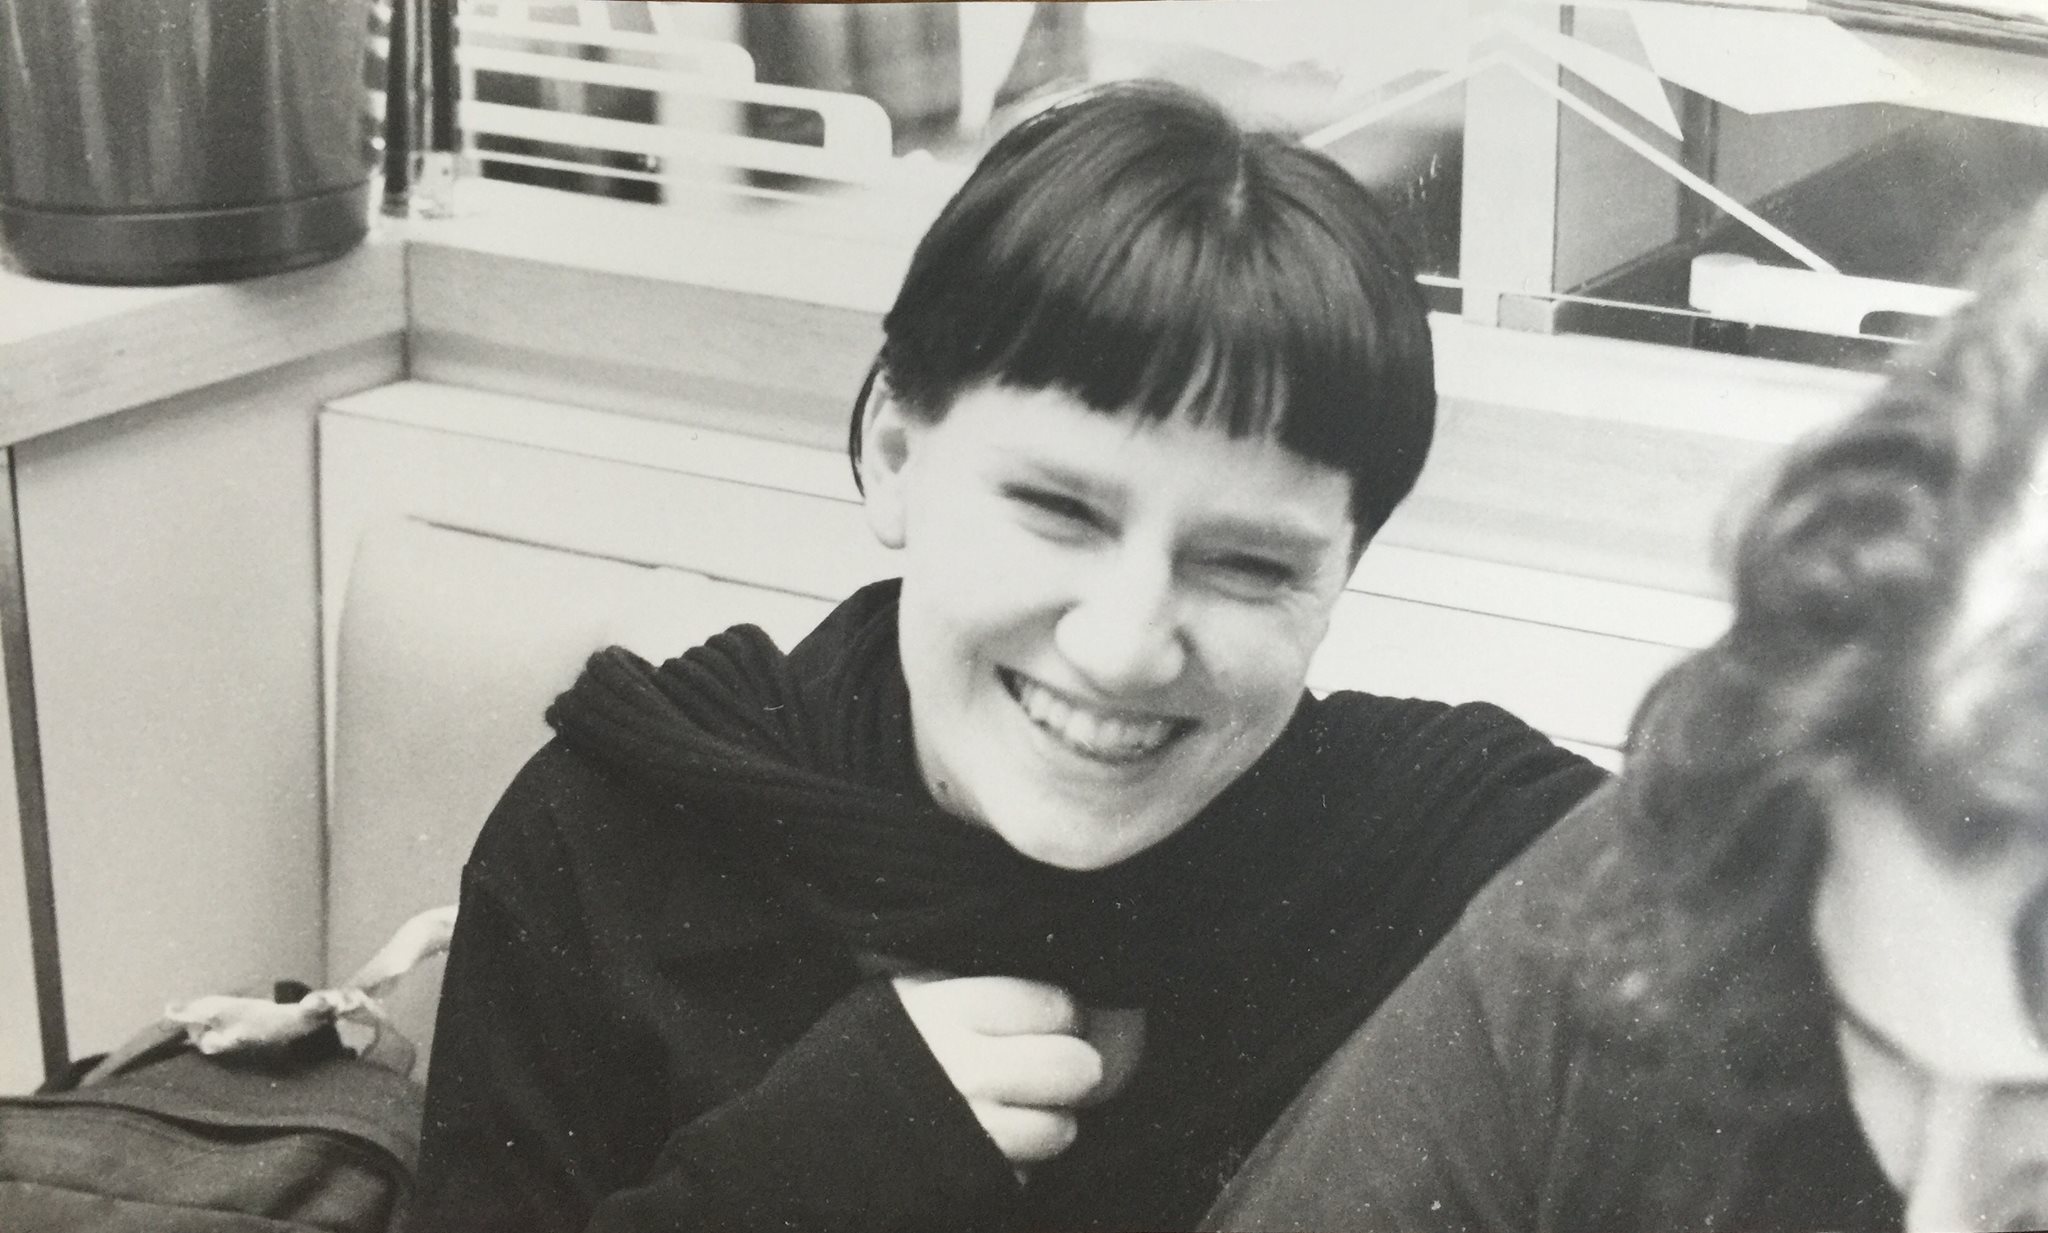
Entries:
{"x":1136,"y":247}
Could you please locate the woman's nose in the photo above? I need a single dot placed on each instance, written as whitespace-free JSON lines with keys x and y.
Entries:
{"x":1122,"y":633}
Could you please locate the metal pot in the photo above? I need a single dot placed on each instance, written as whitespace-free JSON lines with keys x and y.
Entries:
{"x":173,"y":141}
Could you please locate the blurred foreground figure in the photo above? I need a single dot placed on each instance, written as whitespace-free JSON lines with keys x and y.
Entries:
{"x":1791,"y":971}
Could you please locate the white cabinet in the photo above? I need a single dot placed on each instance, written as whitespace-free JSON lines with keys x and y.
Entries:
{"x":758,"y":518}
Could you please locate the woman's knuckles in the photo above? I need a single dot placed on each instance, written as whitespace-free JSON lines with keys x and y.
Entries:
{"x":1007,"y":1006}
{"x":1026,"y":1136}
{"x":1026,"y":1070}
{"x":1056,"y":1011}
{"x":1075,"y":1065}
{"x":1061,"y":1070}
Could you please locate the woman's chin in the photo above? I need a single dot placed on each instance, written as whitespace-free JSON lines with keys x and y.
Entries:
{"x":1065,"y":844}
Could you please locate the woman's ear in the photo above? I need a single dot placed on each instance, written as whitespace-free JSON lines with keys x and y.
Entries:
{"x":886,"y":432}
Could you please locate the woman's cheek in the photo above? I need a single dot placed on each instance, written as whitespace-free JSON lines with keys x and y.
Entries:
{"x":1262,"y":649}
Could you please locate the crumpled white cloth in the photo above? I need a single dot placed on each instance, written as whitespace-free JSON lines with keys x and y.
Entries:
{"x":224,"y":1024}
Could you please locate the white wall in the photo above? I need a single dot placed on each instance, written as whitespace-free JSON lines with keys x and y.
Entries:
{"x":171,"y":573}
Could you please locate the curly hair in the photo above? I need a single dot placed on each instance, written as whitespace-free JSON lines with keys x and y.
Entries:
{"x":1890,"y":631}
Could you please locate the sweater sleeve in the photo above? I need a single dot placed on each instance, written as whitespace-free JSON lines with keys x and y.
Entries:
{"x":1451,"y":796}
{"x":1441,"y":1114}
{"x":855,"y":1127}
{"x":554,"y":1106}
{"x":1407,"y":1129}
{"x":1483,"y":786}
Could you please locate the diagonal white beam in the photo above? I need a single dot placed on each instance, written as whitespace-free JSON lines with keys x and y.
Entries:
{"x":1678,"y":171}
{"x":1337,"y":130}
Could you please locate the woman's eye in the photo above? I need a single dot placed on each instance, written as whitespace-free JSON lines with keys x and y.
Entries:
{"x":1254,"y":572}
{"x":1057,"y":506}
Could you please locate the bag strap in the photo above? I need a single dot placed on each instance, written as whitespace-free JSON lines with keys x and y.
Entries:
{"x":157,"y":1041}
{"x":224,"y":1024}
{"x":230,"y":1024}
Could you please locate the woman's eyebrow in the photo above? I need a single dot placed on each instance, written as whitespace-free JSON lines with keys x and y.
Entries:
{"x":1278,"y":534}
{"x":1061,"y":475}
{"x":1882,"y":1041}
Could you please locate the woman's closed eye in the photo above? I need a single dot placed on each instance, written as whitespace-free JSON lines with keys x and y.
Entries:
{"x":1247,"y":573}
{"x":1056,"y":511}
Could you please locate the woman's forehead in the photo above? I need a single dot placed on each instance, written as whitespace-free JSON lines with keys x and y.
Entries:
{"x":1062,"y":420}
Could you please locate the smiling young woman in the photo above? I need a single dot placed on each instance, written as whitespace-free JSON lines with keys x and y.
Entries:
{"x":1026,"y":890}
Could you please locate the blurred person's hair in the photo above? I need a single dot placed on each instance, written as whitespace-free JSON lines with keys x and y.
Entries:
{"x":1136,"y":247}
{"x":1890,"y":633}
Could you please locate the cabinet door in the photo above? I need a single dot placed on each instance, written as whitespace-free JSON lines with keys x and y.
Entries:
{"x":1572,"y":656}
{"x":780,"y":522}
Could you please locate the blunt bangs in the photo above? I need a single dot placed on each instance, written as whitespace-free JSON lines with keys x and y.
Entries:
{"x":1139,"y":250}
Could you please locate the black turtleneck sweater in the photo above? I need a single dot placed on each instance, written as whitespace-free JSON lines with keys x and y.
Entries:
{"x":636,"y":1033}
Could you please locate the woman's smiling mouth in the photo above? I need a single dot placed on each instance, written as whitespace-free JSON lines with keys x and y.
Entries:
{"x":1093,"y":734}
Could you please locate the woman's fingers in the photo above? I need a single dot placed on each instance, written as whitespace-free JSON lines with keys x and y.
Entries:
{"x":1002,"y":1005}
{"x":1022,"y":1053}
{"x":1026,"y":1136}
{"x":1050,"y":1071}
{"x":1012,"y":1048}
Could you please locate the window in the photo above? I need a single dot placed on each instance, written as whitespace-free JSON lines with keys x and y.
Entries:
{"x":1802,"y":180}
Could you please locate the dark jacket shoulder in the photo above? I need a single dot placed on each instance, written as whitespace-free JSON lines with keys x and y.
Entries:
{"x":570,"y":838}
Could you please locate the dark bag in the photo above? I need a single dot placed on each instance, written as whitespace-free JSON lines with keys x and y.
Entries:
{"x":160,"y":1137}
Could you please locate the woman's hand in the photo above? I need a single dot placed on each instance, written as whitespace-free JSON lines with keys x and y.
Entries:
{"x":1013,"y":1048}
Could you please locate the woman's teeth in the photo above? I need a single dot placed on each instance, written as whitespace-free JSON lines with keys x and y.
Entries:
{"x":1107,"y":737}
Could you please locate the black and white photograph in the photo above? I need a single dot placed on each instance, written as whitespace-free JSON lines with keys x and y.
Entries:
{"x":1355,"y":616}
